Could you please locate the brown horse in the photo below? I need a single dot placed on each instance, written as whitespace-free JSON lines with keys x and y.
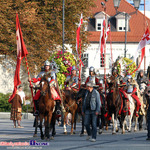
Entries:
{"x":70,"y":106}
{"x":46,"y":107}
{"x":115,"y":104}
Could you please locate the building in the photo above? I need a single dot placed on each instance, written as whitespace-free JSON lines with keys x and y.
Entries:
{"x":135,"y":30}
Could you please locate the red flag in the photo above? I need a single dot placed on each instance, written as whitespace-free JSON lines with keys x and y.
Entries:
{"x":103,"y":38}
{"x":141,"y":47}
{"x":21,"y":52}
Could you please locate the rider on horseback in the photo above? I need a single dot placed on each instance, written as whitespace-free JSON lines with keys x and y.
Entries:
{"x":92,"y":78}
{"x":131,"y":89}
{"x":142,"y":81}
{"x":52,"y":83}
{"x":71,"y":82}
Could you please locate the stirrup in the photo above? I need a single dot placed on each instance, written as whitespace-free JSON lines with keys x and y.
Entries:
{"x":36,"y":113}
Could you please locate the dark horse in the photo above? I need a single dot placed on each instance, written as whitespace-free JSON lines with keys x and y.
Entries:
{"x":70,"y":106}
{"x":100,"y":119}
{"x":46,"y":107}
{"x":115,"y":104}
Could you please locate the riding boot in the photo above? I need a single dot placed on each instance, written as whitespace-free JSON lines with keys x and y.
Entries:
{"x":137,"y":110}
{"x":36,"y":113}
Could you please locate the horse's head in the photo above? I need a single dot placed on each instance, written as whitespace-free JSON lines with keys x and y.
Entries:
{"x":81,"y":94}
{"x":57,"y":107}
{"x":44,"y":86}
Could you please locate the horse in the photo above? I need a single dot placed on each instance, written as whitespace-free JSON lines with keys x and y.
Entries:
{"x":46,"y":107}
{"x":71,"y":106}
{"x":115,"y":104}
{"x":132,"y":106}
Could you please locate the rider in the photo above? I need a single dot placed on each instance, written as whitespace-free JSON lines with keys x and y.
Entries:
{"x":92,"y":78}
{"x":71,"y":82}
{"x":141,"y":79}
{"x":52,"y":82}
{"x":131,"y":89}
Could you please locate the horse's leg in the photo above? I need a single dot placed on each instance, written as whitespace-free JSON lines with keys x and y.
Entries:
{"x":75,"y":120}
{"x":36,"y":126}
{"x":53,"y":122}
{"x":65,"y":117}
{"x":49,"y":117}
{"x":72,"y":122}
{"x":40,"y":126}
{"x":136,"y":121}
{"x":140,"y":120}
{"x":131,"y":116}
{"x":123,"y":122}
{"x":113,"y":127}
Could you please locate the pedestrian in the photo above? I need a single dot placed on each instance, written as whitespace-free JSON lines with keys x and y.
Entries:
{"x":90,"y":109}
{"x":148,"y":111}
{"x":16,"y":110}
{"x":22,"y":95}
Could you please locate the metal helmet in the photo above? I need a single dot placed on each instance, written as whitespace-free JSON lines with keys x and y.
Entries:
{"x":73,"y":68}
{"x":46,"y":63}
{"x":129,"y":76}
{"x":92,"y":69}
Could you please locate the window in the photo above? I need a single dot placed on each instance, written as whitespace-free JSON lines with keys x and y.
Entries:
{"x":85,"y":59}
{"x":99,"y":24}
{"x":121,"y":24}
{"x":102,"y":61}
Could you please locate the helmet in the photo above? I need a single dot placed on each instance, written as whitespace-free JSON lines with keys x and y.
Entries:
{"x":46,"y":63}
{"x":73,"y":68}
{"x":129,"y":76}
{"x":92,"y":69}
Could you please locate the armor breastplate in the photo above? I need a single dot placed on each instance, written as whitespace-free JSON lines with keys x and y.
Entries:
{"x":130,"y":88}
{"x":72,"y":80}
{"x":92,"y":79}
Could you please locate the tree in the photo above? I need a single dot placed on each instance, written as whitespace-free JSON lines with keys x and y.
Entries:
{"x":41,"y":24}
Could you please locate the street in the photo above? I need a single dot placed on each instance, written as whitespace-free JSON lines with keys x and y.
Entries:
{"x":105,"y":141}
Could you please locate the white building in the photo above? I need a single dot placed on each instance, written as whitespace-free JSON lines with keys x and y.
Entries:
{"x":135,"y":31}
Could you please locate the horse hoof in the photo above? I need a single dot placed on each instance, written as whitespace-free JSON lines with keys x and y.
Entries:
{"x":42,"y":138}
{"x":140,"y":129}
{"x":74,"y":133}
{"x":106,"y":128}
{"x":71,"y":133}
{"x":65,"y":133}
{"x":81,"y":134}
{"x":117,"y":130}
{"x":123,"y":132}
{"x":135,"y":130}
{"x":34,"y":135}
{"x":129,"y":130}
{"x":52,"y":138}
{"x":113,"y":133}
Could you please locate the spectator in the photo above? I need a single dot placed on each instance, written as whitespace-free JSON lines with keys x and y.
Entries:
{"x":90,"y":109}
{"x":16,"y":110}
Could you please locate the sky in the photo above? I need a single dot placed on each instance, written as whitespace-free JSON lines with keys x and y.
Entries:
{"x":141,"y":8}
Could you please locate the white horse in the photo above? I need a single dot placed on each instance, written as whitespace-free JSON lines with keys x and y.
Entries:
{"x":132,"y":106}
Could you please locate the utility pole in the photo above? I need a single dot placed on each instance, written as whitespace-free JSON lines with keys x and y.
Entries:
{"x":63,"y":27}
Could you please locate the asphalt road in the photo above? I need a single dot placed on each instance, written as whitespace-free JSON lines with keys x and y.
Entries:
{"x":105,"y":141}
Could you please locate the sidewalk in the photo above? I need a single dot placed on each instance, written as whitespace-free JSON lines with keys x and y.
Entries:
{"x":6,"y":115}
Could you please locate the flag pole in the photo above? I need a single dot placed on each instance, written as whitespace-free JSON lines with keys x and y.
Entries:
{"x":80,"y":66}
{"x":105,"y":28}
{"x":30,"y":80}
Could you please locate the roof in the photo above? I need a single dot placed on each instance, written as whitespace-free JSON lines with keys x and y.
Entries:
{"x":136,"y":22}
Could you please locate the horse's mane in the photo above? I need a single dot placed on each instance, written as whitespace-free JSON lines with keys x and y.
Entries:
{"x":45,"y":78}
